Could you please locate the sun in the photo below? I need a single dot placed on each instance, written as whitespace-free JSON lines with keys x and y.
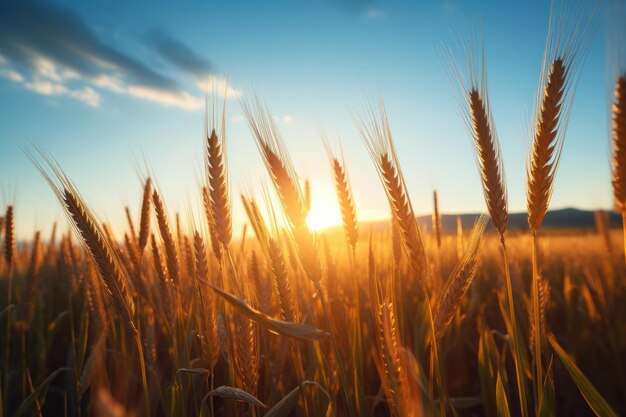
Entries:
{"x":320,"y":217}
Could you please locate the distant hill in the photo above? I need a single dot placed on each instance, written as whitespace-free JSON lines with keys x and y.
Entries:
{"x":567,"y":218}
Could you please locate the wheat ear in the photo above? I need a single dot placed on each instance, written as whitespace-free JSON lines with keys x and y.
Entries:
{"x":346,"y":201}
{"x":376,"y":133}
{"x":9,"y":239}
{"x":144,"y":220}
{"x":103,"y":255}
{"x":546,"y":148}
{"x":218,"y":189}
{"x":618,"y":133}
{"x":488,"y":158}
{"x":280,"y":168}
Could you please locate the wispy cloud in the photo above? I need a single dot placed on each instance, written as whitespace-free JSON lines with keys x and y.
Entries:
{"x":178,"y":54}
{"x":52,"y":51}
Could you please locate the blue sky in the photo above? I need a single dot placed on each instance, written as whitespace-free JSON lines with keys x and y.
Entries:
{"x":110,"y":87}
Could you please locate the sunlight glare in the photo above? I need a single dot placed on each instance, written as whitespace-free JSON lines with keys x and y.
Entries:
{"x":322,"y":217}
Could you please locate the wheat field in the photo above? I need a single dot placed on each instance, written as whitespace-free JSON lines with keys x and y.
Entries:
{"x":181,"y":315}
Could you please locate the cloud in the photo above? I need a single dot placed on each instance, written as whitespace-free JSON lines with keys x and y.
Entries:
{"x":11,"y":75}
{"x":219,"y":85}
{"x":50,"y":50}
{"x":178,"y":54}
{"x":86,"y":95}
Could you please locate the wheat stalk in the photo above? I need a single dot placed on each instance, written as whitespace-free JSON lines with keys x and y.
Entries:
{"x":280,"y":168}
{"x":164,"y":281}
{"x":208,"y":212}
{"x":209,"y":336}
{"x":131,"y":225}
{"x":436,"y":220}
{"x":603,"y":229}
{"x":460,"y":241}
{"x":282,"y":284}
{"x":307,"y":196}
{"x":171,"y":255}
{"x":459,"y":282}
{"x":32,"y":274}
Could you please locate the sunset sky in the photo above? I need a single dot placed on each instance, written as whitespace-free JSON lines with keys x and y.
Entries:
{"x":112,"y":87}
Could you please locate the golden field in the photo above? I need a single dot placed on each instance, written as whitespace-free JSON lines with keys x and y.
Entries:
{"x":72,"y":352}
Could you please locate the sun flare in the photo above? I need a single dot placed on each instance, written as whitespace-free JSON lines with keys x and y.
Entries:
{"x":323,"y":217}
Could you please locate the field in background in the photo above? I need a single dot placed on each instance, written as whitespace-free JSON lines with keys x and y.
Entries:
{"x":72,"y":352}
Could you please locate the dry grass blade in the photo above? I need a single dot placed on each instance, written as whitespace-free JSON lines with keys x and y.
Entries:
{"x":233,"y":393}
{"x":459,"y":282}
{"x":289,"y":329}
